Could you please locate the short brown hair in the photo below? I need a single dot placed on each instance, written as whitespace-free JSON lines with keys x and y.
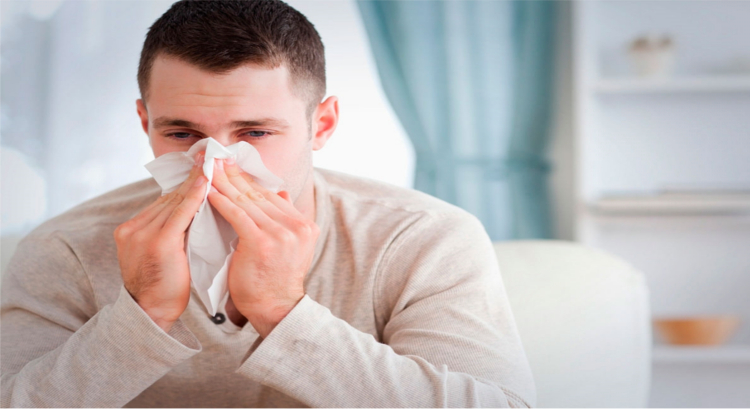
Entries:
{"x":218,"y":36}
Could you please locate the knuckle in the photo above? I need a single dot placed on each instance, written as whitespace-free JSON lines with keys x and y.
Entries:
{"x":287,"y":236}
{"x":238,"y":213}
{"x":178,"y":213}
{"x":162,"y":199}
{"x":182,"y":212}
{"x":306,"y":228}
{"x":299,"y":226}
{"x":254,"y":195}
{"x":176,"y":198}
{"x":247,"y":178}
{"x":258,"y":196}
{"x":243,"y":199}
{"x":122,"y":231}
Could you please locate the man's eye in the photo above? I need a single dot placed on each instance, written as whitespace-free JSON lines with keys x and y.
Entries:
{"x":186,"y":135}
{"x":180,"y":135}
{"x":257,"y":134}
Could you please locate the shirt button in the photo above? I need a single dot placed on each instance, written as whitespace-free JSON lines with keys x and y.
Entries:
{"x":219,"y":318}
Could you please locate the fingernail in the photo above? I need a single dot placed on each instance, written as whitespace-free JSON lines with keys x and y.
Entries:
{"x":201,"y":158}
{"x":229,"y":161}
{"x":219,"y":164}
{"x":199,"y":180}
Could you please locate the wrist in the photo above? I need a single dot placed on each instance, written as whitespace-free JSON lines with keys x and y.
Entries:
{"x":265,"y":319}
{"x":163,"y":322}
{"x":155,"y":313}
{"x":165,"y":325}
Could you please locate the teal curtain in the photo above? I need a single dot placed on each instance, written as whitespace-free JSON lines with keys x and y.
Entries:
{"x":471,"y":82}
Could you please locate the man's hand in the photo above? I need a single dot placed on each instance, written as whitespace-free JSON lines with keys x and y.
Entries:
{"x":151,"y":251}
{"x":275,"y":249}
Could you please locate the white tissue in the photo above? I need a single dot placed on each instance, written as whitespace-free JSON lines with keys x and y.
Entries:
{"x":210,"y":240}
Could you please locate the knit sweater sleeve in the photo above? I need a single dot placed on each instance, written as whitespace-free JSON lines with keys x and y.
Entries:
{"x":450,"y":339}
{"x":60,"y":350}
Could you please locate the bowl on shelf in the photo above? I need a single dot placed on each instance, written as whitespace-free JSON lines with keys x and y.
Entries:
{"x":702,"y":330}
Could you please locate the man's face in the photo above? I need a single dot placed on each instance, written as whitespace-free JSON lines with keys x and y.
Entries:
{"x":250,"y":103}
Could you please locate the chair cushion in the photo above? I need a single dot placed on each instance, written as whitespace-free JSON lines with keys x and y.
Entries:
{"x":584,"y":319}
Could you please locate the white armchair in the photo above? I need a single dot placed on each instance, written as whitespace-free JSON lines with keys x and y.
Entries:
{"x":584,"y":319}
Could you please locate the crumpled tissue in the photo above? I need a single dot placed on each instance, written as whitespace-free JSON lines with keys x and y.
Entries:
{"x":210,"y":241}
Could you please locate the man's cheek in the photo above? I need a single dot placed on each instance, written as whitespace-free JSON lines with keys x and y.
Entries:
{"x":276,"y":158}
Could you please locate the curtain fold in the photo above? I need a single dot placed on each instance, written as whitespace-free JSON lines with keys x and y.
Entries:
{"x":471,"y":82}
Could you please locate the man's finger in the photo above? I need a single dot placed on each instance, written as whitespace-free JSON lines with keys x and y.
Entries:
{"x":175,"y":199}
{"x":195,"y":172}
{"x":285,"y":195}
{"x":242,"y":223}
{"x":160,"y":210}
{"x":265,"y":214}
{"x":282,"y":203}
{"x":148,"y":213}
{"x":182,"y":215}
{"x":245,"y":182}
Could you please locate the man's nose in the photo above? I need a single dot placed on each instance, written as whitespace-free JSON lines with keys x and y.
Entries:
{"x":225,"y":140}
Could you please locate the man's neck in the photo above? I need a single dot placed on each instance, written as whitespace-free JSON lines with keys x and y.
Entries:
{"x":305,"y":203}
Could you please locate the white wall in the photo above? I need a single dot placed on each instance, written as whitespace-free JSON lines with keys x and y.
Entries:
{"x":369,"y":140}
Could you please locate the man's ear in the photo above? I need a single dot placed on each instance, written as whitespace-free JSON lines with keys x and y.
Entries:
{"x":143,"y":114}
{"x":325,"y":119}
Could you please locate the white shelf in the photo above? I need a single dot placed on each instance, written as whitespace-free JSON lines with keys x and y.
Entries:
{"x":633,"y":139}
{"x":725,"y":354}
{"x":703,"y":84}
{"x":674,"y":204}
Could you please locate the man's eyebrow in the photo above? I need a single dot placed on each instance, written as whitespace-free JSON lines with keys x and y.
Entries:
{"x":262,"y":122}
{"x":162,"y":122}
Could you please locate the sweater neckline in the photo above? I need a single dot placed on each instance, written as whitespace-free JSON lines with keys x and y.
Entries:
{"x":322,"y":215}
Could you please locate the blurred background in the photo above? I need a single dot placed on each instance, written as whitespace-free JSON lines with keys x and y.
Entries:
{"x":619,"y":125}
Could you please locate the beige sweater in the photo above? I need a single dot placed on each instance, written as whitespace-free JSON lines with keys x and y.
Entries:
{"x":405,"y":307}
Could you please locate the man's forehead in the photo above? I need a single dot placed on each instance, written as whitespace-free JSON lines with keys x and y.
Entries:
{"x":172,"y":76}
{"x":184,"y":95}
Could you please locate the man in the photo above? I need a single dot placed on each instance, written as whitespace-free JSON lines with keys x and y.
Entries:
{"x":344,"y":292}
